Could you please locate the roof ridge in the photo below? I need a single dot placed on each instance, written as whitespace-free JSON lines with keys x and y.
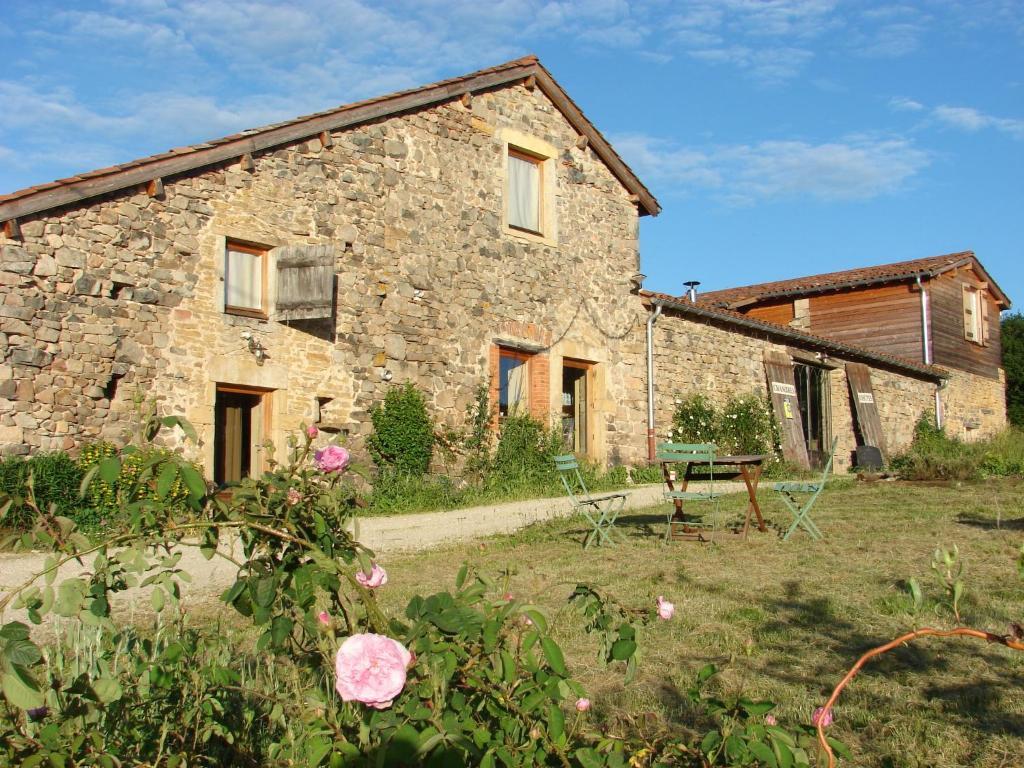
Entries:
{"x":88,"y":184}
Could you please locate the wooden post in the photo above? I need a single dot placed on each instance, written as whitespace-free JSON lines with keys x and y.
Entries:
{"x":11,"y":229}
{"x":155,"y":188}
{"x":530,"y":82}
{"x":246,"y":163}
{"x":467,"y":99}
{"x":326,"y":140}
{"x":582,"y":141}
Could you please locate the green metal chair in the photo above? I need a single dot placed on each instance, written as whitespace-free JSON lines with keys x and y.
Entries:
{"x":695,"y":456}
{"x":600,"y":511}
{"x":802,"y":510}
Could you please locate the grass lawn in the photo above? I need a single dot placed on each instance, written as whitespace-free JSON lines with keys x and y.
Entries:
{"x":785,"y":620}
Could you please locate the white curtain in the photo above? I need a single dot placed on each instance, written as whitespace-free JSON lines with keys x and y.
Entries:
{"x":244,"y":280}
{"x":523,"y":194}
{"x":518,"y":393}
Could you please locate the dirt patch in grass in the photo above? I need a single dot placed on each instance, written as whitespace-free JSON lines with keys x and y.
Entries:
{"x":785,"y":620}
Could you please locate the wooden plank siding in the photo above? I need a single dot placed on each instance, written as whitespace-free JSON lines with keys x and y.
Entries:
{"x":949,"y":346}
{"x":778,"y":312}
{"x":886,"y":319}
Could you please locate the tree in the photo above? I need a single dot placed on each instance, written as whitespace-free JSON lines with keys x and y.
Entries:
{"x":1013,"y":362}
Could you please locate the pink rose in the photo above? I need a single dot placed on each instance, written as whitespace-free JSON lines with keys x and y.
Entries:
{"x":324,"y":618}
{"x":822,"y":717}
{"x":666,"y":610}
{"x":378,"y":577}
{"x":371,"y":669}
{"x":582,"y":705}
{"x":770,"y":720}
{"x":333,"y":458}
{"x":294,"y":497}
{"x":507,"y":597}
{"x":312,"y":431}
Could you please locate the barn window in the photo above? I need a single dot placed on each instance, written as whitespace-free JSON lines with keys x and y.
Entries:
{"x":975,"y":306}
{"x":245,"y":279}
{"x":513,"y":385}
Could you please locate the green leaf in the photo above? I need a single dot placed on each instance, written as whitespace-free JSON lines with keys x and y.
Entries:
{"x":707,"y":671}
{"x":87,"y":478}
{"x":536,"y":617}
{"x":710,"y":742}
{"x":23,"y":652}
{"x":280,"y":629}
{"x":265,"y":591}
{"x":317,"y":748}
{"x":915,"y":592}
{"x":839,"y":748}
{"x":556,"y":723}
{"x":157,"y":599}
{"x":763,"y":753}
{"x":70,"y":594}
{"x":110,"y":470}
{"x":165,"y":481}
{"x":623,"y":649}
{"x":589,"y":758}
{"x":20,"y":689}
{"x":14,"y":630}
{"x":193,"y":481}
{"x":554,"y":656}
{"x":107,"y":689}
{"x":756,"y":708}
{"x":460,"y":578}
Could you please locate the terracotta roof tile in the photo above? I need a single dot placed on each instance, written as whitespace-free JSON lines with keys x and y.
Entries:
{"x":831,"y":281}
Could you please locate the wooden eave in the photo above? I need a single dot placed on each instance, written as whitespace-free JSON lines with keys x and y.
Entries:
{"x":178,"y":161}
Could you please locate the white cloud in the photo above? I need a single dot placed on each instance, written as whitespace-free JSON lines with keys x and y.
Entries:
{"x":851,"y":168}
{"x":972,"y":120}
{"x":903,"y":104}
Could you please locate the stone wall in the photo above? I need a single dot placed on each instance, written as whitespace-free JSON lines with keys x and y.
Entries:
{"x":123,"y":295}
{"x":974,"y":407}
{"x":723,"y":361}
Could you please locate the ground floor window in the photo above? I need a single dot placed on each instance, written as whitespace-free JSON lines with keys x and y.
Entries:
{"x":575,"y":405}
{"x":241,"y":417}
{"x":815,"y":403}
{"x":513,"y":395}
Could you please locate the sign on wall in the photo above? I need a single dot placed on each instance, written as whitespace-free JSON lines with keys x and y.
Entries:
{"x":782,"y":388}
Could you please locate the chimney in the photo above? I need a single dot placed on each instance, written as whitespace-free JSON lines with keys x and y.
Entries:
{"x":691,"y":290}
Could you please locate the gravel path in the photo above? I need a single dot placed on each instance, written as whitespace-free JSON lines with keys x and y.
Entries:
{"x":384,"y":535}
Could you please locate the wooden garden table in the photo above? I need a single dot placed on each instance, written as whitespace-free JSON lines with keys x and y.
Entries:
{"x":749,"y":467}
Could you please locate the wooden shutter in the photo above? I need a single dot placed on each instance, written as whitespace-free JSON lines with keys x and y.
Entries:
{"x":782,"y":390}
{"x":305,"y":282}
{"x":970,"y":321}
{"x":864,"y":407}
{"x":983,"y":321}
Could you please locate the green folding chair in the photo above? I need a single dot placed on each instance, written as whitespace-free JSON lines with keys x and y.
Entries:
{"x":600,"y":511}
{"x":695,"y":456}
{"x":801,"y":511}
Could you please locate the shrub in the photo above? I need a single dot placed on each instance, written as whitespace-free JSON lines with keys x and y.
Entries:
{"x":525,"y":452}
{"x":403,"y":433}
{"x":104,"y":499}
{"x":933,"y":455}
{"x":695,"y":420}
{"x":56,"y":479}
{"x":746,"y":425}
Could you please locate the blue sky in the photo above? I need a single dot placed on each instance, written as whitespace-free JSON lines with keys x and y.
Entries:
{"x":782,"y":137}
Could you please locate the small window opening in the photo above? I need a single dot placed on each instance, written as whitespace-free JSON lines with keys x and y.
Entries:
{"x":110,"y":389}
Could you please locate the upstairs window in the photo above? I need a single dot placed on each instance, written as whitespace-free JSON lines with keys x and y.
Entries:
{"x":525,"y":191}
{"x":245,"y":280}
{"x":975,"y":305}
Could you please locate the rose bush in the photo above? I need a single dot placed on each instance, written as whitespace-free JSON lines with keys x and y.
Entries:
{"x":468,"y":676}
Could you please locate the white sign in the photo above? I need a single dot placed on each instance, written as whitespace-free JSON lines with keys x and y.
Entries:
{"x":781,"y":388}
{"x":865,"y":397}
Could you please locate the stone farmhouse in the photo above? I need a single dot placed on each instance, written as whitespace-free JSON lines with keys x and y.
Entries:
{"x":479,"y":231}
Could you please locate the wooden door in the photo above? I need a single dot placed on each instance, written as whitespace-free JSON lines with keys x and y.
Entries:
{"x":782,"y":390}
{"x":865,"y":409}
